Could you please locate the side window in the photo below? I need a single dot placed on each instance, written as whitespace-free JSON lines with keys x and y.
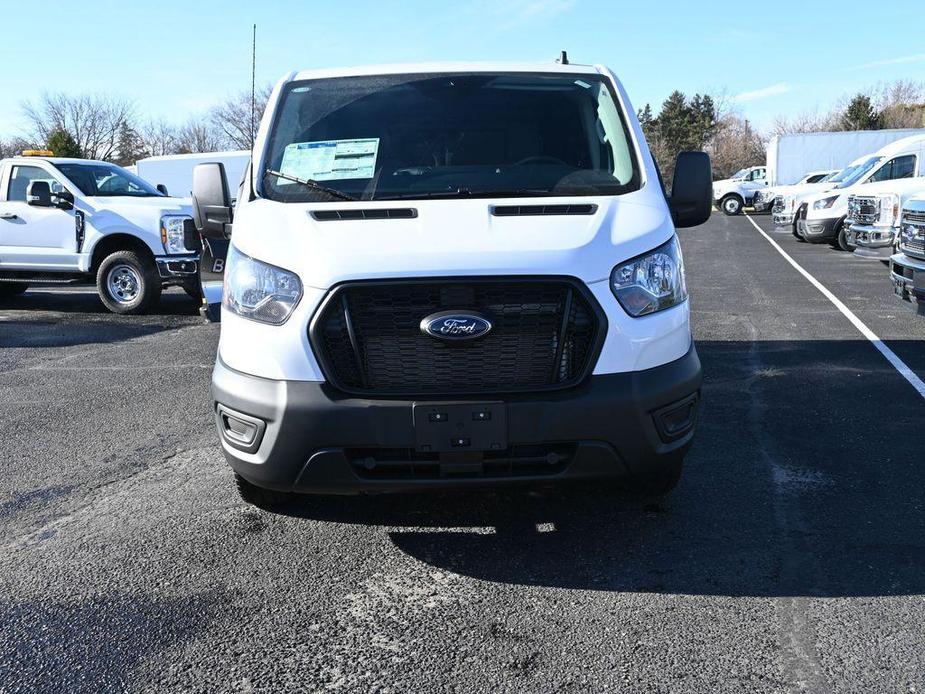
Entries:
{"x":22,"y":176}
{"x":760,"y":175}
{"x":900,"y":167}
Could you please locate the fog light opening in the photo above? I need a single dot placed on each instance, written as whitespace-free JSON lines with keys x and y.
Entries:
{"x":677,"y":419}
{"x":240,"y":430}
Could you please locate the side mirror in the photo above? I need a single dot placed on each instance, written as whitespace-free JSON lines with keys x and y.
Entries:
{"x":212,"y":211}
{"x":64,"y":199}
{"x":38,"y":194}
{"x":161,"y":188}
{"x":691,"y":198}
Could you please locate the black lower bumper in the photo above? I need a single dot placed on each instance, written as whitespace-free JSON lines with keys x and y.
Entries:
{"x":820,"y":230}
{"x":307,"y":437}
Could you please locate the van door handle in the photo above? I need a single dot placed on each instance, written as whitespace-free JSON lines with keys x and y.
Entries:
{"x":8,"y":215}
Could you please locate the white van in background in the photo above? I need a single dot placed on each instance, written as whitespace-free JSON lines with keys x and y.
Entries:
{"x":175,"y":171}
{"x":821,"y":217}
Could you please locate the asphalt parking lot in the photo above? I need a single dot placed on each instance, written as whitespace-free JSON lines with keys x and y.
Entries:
{"x":791,"y":558}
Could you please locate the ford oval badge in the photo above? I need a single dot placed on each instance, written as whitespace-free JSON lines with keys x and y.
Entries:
{"x":455,"y":325}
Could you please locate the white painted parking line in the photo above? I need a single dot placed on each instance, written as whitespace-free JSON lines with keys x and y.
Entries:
{"x":889,"y":354}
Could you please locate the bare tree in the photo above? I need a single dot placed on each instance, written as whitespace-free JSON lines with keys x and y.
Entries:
{"x":94,"y":121}
{"x":735,"y":145}
{"x":158,"y":138}
{"x":806,"y":122}
{"x":901,"y":104}
{"x":199,"y":135}
{"x":233,"y":117}
{"x":14,"y":146}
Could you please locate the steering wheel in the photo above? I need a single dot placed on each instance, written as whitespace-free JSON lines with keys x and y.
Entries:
{"x":540,"y":159}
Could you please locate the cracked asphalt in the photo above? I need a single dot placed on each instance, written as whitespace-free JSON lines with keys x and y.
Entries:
{"x":790,"y":559}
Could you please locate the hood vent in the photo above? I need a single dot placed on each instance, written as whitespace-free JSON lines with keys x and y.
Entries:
{"x":350,"y":215}
{"x":541,"y":210}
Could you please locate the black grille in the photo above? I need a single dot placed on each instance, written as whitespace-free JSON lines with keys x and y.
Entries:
{"x":545,"y":334}
{"x":352,"y":214}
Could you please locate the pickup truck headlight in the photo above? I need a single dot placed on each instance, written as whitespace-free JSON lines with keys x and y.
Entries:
{"x":651,"y":282}
{"x":172,"y":234}
{"x":259,"y":291}
{"x":825,"y":203}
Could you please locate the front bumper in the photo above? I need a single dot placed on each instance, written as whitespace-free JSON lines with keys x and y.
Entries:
{"x":178,"y":269}
{"x":817,"y":230}
{"x":906,"y":272}
{"x":308,"y":437}
{"x":871,"y":241}
{"x":762,"y":206}
{"x":782,"y":219}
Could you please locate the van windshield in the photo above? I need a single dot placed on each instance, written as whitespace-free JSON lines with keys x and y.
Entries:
{"x":449,"y":135}
{"x":848,"y":177}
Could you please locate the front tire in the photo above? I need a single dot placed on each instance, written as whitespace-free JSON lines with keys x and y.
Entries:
{"x":9,"y":289}
{"x":128,"y":283}
{"x":731,"y":205}
{"x":266,"y":499}
{"x":841,"y":239}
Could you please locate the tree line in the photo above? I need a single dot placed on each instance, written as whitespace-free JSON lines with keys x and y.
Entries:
{"x":712,"y":124}
{"x":109,"y":128}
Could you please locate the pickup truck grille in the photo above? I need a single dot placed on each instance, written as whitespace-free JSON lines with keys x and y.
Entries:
{"x":863,"y":210}
{"x":546,"y":333}
{"x":912,"y":236}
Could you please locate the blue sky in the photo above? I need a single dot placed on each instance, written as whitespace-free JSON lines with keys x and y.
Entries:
{"x":177,"y":58}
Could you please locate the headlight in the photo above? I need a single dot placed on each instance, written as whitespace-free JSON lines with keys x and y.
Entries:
{"x":172,"y":234}
{"x":825,"y":203}
{"x":259,"y":291}
{"x":651,"y":282}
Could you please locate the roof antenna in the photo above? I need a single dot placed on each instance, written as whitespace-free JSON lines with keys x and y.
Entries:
{"x":563,"y":58}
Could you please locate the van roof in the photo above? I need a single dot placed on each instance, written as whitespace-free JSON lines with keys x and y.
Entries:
{"x":901,"y":145}
{"x":419,"y":68}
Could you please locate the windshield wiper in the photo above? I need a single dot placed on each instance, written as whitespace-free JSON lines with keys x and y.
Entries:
{"x":467,"y":193}
{"x":309,"y":183}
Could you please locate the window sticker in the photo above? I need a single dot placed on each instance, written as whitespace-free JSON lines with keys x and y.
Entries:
{"x":330,"y":160}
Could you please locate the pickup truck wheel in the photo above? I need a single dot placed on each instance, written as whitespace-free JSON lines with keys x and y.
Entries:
{"x":660,"y":479}
{"x":841,"y":239}
{"x":267,"y":499}
{"x":128,"y":283}
{"x":12,"y":288}
{"x":731,"y":205}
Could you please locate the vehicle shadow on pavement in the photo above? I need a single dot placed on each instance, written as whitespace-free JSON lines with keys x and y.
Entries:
{"x":85,"y":300}
{"x":805,"y":480}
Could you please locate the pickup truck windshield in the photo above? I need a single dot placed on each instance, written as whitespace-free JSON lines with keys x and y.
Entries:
{"x":848,"y":177}
{"x":448,"y":135}
{"x":106,"y":179}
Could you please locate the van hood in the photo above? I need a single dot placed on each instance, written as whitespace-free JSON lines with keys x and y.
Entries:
{"x":452,"y":237}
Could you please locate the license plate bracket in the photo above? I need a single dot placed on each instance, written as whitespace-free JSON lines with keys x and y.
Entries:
{"x":460,"y":427}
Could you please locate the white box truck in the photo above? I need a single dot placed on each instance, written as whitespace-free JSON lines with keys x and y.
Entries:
{"x":175,"y":171}
{"x":791,"y":156}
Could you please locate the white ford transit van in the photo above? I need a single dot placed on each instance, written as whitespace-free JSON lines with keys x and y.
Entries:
{"x":453,"y":275}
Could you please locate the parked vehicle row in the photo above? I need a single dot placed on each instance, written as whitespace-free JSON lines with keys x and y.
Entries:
{"x":874,"y":208}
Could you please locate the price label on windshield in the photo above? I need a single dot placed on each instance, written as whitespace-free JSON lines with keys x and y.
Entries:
{"x":330,"y":160}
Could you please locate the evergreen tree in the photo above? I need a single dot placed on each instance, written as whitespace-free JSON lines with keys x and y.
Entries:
{"x":861,"y":115}
{"x":63,"y":144}
{"x":129,"y":147}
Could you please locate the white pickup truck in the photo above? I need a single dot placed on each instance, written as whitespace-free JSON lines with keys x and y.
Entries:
{"x":732,"y":194}
{"x":907,"y":267}
{"x":873,"y":219}
{"x":74,"y":220}
{"x":764,"y":199}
